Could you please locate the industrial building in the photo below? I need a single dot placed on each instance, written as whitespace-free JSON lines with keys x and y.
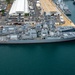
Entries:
{"x":19,"y":7}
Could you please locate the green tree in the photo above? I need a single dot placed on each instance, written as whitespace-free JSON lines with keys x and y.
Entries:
{"x":8,"y":1}
{"x":26,"y":14}
{"x":3,"y":12}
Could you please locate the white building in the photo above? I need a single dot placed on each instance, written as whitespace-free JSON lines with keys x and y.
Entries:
{"x":19,"y":6}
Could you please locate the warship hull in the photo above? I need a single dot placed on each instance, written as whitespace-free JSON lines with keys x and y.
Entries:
{"x":37,"y":41}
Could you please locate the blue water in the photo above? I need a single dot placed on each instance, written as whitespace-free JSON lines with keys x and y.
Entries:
{"x":39,"y":59}
{"x":72,"y":8}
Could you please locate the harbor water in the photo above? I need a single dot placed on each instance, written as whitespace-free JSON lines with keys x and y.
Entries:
{"x":39,"y":59}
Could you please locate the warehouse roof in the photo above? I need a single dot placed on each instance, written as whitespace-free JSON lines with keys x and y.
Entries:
{"x":19,"y":6}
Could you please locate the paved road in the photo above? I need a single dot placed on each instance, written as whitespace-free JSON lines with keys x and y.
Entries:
{"x":36,"y":10}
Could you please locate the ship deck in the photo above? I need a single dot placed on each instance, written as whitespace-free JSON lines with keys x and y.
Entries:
{"x":49,"y":6}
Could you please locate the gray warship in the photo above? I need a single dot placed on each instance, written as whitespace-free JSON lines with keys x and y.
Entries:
{"x":63,"y":7}
{"x":35,"y":27}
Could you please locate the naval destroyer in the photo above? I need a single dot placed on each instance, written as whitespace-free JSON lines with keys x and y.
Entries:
{"x":28,"y":21}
